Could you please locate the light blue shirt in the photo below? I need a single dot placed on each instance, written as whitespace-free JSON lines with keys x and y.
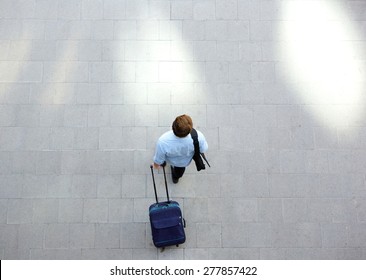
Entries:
{"x":177,"y":151}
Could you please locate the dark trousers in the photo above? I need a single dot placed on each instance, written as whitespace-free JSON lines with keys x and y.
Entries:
{"x":178,"y":172}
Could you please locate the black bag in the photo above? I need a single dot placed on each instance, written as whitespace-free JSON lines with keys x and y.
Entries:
{"x":197,"y":157}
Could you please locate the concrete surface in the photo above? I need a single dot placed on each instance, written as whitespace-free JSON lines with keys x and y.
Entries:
{"x":87,"y":87}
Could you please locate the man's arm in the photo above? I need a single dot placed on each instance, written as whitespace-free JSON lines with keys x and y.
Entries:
{"x":159,"y":157}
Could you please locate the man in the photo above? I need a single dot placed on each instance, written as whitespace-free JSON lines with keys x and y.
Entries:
{"x":176,"y":147}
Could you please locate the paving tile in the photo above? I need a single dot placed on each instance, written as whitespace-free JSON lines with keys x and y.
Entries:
{"x":107,"y":236}
{"x":95,"y":210}
{"x":82,"y":236}
{"x":233,"y":253}
{"x":146,"y":115}
{"x":193,"y":30}
{"x":216,"y":72}
{"x":270,"y":210}
{"x":3,"y":210}
{"x":146,"y":72}
{"x":234,"y":235}
{"x":55,"y":254}
{"x":147,"y":29}
{"x":114,"y":9}
{"x":132,"y":235}
{"x":62,"y":139}
{"x":296,"y":235}
{"x":92,"y":51}
{"x":98,"y":116}
{"x":5,"y":162}
{"x":159,"y":94}
{"x":58,"y":186}
{"x":250,"y":51}
{"x":122,"y":115}
{"x":106,"y":254}
{"x":342,"y":254}
{"x":45,"y":211}
{"x":48,"y":162}
{"x":57,"y":236}
{"x":134,"y":138}
{"x":88,"y":93}
{"x":86,"y":139}
{"x":171,"y":254}
{"x":259,"y":235}
{"x":110,"y":93}
{"x":204,"y":10}
{"x":229,"y":51}
{"x":120,"y":210}
{"x":181,"y":9}
{"x":37,"y":140}
{"x":20,"y":211}
{"x":133,"y":186}
{"x":84,"y":186}
{"x":207,"y":185}
{"x":226,"y":9}
{"x":109,"y":186}
{"x":232,"y":210}
{"x":9,"y":236}
{"x":295,"y":210}
{"x":76,"y":116}
{"x":357,"y":235}
{"x":191,"y":234}
{"x":255,"y":185}
{"x":335,"y":235}
{"x":361,"y":209}
{"x":141,"y":206}
{"x":31,"y":236}
{"x":12,"y":186}
{"x":110,"y":138}
{"x":92,"y":10}
{"x":87,"y":88}
{"x":70,"y":210}
{"x":238,"y":30}
{"x":16,"y":254}
{"x":197,"y":210}
{"x":196,"y":254}
{"x":122,"y":162}
{"x":245,"y":254}
{"x":144,"y":254}
{"x":208,"y":235}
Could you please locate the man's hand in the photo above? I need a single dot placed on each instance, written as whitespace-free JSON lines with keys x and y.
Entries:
{"x":156,"y":166}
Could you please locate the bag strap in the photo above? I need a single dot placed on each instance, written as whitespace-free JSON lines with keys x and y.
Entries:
{"x":166,"y":184}
{"x":196,"y":144}
{"x":204,"y":157}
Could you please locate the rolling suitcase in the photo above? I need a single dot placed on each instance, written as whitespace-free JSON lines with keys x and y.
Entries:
{"x":167,"y":223}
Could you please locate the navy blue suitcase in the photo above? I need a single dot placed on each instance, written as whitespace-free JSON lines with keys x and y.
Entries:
{"x":167,"y":223}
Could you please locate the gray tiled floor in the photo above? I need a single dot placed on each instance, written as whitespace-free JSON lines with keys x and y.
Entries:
{"x":87,"y":87}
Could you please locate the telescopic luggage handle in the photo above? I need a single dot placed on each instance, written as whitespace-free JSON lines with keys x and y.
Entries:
{"x":166,"y":184}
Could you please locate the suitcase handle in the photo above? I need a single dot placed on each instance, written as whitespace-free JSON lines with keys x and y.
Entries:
{"x":166,"y":184}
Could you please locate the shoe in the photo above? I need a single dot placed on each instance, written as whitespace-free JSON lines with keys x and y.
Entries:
{"x":175,"y":180}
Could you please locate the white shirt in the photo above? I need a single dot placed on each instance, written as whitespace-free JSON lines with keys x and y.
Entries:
{"x":177,"y":151}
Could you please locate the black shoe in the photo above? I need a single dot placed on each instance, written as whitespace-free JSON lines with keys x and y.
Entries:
{"x":175,"y":180}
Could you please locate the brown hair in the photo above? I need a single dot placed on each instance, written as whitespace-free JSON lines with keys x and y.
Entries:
{"x":182,"y":126}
